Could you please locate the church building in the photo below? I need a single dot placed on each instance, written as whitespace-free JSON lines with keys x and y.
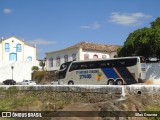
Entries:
{"x":15,"y":49}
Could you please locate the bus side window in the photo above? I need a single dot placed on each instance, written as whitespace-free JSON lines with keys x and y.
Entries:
{"x":74,"y":66}
{"x":103,"y":65}
{"x":83,"y":66}
{"x":114,"y":63}
{"x":122,"y":63}
{"x":92,"y":65}
{"x":131,"y":62}
{"x":108,"y":64}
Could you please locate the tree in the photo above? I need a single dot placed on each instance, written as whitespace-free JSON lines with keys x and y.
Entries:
{"x":42,"y":64}
{"x":156,"y":23}
{"x":35,"y":68}
{"x":143,"y":42}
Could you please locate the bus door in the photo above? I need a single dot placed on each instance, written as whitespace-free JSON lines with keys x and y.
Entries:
{"x":74,"y":73}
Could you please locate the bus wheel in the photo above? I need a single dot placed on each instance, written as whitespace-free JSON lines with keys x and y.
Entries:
{"x":110,"y":82}
{"x":119,"y":82}
{"x":70,"y":83}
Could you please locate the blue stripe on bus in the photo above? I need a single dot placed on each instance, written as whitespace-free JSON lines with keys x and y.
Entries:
{"x":126,"y":75}
{"x":110,"y":73}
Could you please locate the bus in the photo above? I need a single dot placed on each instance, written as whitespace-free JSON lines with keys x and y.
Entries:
{"x":116,"y":71}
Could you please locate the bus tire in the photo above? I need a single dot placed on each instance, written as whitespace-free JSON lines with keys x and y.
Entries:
{"x":70,"y":83}
{"x":119,"y":82}
{"x":110,"y":82}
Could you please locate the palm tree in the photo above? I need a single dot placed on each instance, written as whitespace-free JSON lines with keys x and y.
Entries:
{"x":42,"y":64}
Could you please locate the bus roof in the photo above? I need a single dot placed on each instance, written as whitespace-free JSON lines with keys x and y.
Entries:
{"x":106,"y":59}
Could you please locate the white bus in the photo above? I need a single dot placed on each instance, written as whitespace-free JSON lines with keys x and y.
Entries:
{"x":116,"y":71}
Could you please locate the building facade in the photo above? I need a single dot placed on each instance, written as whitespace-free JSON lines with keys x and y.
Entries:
{"x":15,"y":49}
{"x":80,"y":51}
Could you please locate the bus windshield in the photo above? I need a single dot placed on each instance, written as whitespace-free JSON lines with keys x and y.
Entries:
{"x":63,"y":69}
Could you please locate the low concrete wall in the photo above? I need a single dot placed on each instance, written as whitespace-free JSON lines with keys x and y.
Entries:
{"x":123,"y":90}
{"x":68,"y":88}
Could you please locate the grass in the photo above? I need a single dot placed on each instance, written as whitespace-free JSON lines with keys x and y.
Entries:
{"x":15,"y":100}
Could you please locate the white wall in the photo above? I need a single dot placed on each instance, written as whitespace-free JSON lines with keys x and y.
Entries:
{"x":92,"y":53}
{"x":153,"y":71}
{"x":61,"y":54}
{"x":22,"y":70}
{"x":12,"y":42}
{"x":0,"y":51}
{"x":79,"y":56}
{"x":29,"y":51}
{"x":26,"y":50}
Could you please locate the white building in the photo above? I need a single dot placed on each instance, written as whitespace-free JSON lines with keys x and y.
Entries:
{"x":16,"y":59}
{"x":14,"y":49}
{"x":80,"y":51}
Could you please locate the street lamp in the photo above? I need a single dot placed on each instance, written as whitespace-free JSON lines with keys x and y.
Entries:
{"x":12,"y":71}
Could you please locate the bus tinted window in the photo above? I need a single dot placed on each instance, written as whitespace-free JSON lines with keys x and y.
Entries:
{"x":104,"y":64}
{"x":74,"y":66}
{"x":83,"y":65}
{"x":64,"y":68}
{"x":128,"y":62}
{"x":124,"y":62}
{"x":65,"y":65}
{"x":92,"y":65}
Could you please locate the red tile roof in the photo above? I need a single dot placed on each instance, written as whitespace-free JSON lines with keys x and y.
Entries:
{"x":93,"y":47}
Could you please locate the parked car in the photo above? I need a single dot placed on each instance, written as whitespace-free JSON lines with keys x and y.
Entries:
{"x":55,"y":82}
{"x":9,"y":82}
{"x":28,"y":82}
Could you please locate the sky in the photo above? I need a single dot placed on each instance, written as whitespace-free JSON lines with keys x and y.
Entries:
{"x":56,"y":24}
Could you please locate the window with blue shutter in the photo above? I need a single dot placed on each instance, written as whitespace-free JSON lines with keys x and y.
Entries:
{"x":29,"y":58}
{"x":19,"y":48}
{"x":7,"y":47}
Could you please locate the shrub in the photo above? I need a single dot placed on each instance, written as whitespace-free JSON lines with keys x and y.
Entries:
{"x":38,"y":76}
{"x":35,"y":68}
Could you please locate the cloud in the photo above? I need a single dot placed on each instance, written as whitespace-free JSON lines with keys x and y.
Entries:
{"x":85,"y":26}
{"x":42,"y":42}
{"x":95,"y":25}
{"x":128,"y":18}
{"x":7,"y":10}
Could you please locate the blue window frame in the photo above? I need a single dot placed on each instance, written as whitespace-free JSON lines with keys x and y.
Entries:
{"x":29,"y":58}
{"x":13,"y":57}
{"x":18,"y":48}
{"x":7,"y":47}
